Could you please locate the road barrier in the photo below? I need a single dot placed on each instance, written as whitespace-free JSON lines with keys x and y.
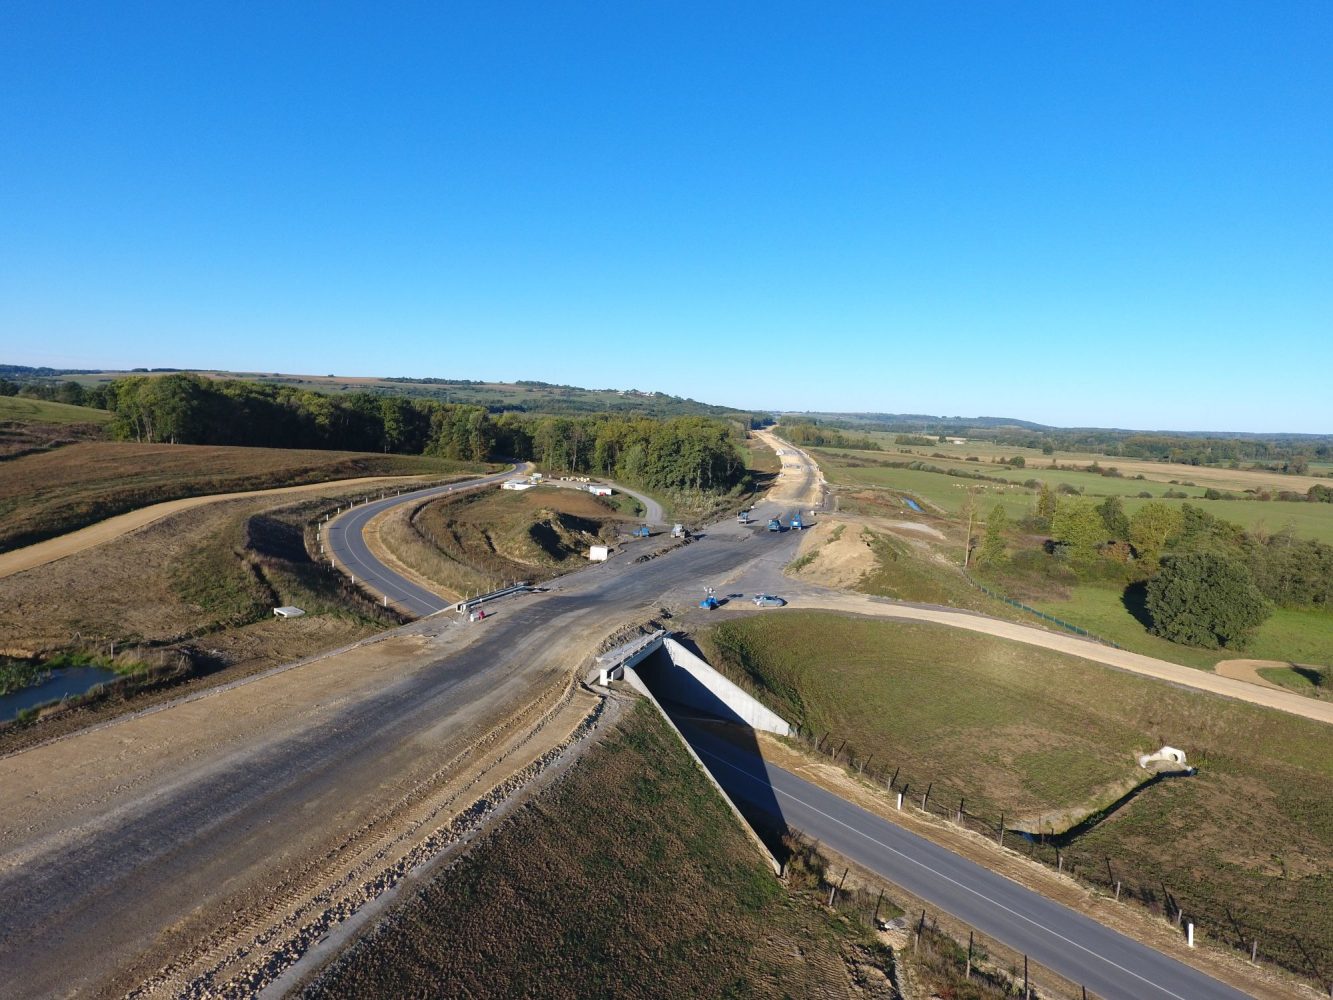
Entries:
{"x":471,"y":602}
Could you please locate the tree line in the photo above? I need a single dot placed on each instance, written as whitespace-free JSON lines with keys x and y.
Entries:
{"x":680,"y":453}
{"x":1205,"y":581}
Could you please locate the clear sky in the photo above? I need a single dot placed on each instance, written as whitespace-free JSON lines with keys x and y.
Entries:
{"x":1098,"y":214}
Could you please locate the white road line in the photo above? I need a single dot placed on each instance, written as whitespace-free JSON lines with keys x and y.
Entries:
{"x":966,"y":888}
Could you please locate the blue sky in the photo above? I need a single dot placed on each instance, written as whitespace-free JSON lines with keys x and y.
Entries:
{"x":1116,"y":214}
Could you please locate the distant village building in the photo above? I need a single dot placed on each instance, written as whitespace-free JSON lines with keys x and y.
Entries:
{"x":956,"y":440}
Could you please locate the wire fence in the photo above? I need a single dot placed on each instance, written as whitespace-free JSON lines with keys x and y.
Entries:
{"x":1221,"y":921}
{"x":1067,"y":626}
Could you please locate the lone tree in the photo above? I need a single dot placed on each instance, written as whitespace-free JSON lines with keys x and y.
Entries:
{"x":992,"y":548}
{"x":1207,"y":600}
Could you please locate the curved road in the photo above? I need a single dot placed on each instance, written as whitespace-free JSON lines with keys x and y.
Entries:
{"x":347,"y":543}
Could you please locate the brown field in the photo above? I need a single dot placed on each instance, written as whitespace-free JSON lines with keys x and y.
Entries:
{"x":483,"y":540}
{"x":54,"y":492}
{"x":198,"y":587}
{"x":630,"y":878}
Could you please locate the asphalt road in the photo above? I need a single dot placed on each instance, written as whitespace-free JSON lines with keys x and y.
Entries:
{"x":1108,"y":964}
{"x":347,"y":544}
{"x":175,"y":846}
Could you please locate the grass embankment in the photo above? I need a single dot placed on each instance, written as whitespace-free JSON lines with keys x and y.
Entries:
{"x":485,"y":539}
{"x":1314,"y":682}
{"x":20,"y":409}
{"x":1030,"y":732}
{"x":629,"y":878}
{"x":54,"y":492}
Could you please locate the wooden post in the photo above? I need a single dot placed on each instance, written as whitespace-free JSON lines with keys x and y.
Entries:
{"x":1254,"y":950}
{"x":1027,"y":993}
{"x":1000,"y":838}
{"x":969,"y":954}
{"x":877,"y":902}
{"x":894,"y":780}
{"x":843,"y":879}
{"x":926,"y":798}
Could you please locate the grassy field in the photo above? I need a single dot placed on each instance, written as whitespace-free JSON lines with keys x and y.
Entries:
{"x":630,"y":878}
{"x":1031,"y":732}
{"x":949,"y":493}
{"x":53,"y":492}
{"x":1314,"y":682}
{"x":39,"y":411}
{"x":1156,"y":472}
{"x":487,"y":539}
{"x":1293,"y":635}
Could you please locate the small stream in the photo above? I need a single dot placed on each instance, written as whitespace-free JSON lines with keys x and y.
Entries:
{"x":63,"y":683}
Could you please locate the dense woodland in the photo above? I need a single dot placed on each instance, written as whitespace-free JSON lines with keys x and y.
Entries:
{"x":680,"y":453}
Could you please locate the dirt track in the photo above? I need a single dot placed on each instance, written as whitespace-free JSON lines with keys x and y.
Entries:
{"x":1173,"y":673}
{"x":32,"y":556}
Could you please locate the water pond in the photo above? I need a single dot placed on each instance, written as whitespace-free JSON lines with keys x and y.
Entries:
{"x":64,"y":683}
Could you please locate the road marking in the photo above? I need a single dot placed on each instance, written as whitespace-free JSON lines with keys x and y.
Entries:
{"x":946,"y":878}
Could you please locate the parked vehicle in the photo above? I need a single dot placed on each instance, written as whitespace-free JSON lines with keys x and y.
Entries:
{"x":796,"y":523}
{"x":768,"y":601}
{"x":775,"y":525}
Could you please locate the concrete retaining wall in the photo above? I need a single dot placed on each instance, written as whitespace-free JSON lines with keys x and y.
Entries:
{"x":636,"y":682}
{"x":689,"y":680}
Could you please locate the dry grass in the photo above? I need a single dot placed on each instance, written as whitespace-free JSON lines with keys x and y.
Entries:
{"x":482,"y":540}
{"x":628,"y":879}
{"x":53,"y":492}
{"x":200,"y":584}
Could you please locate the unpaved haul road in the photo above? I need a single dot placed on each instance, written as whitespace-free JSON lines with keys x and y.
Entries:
{"x":158,"y":849}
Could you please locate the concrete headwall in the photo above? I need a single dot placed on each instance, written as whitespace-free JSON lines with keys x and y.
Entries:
{"x":689,"y":680}
{"x":636,"y":682}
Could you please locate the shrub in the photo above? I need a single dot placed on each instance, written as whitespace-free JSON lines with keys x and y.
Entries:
{"x":1202,"y":599}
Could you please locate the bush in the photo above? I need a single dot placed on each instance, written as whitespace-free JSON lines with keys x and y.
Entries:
{"x":1206,"y":600}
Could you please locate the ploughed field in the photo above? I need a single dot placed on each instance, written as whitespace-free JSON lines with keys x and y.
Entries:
{"x":53,"y":492}
{"x":1244,"y":847}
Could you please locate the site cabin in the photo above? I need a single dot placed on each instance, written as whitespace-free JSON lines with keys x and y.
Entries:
{"x":600,"y":491}
{"x":598,"y":553}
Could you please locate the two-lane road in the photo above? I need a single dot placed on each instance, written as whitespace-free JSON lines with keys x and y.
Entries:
{"x":1075,"y":946}
{"x":347,"y":545}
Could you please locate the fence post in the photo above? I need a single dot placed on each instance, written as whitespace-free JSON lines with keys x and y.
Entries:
{"x":1000,"y":838}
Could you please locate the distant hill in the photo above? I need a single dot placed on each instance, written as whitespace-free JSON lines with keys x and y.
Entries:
{"x":921,"y":423}
{"x":498,"y":397}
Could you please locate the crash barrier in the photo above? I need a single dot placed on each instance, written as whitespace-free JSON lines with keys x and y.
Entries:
{"x":474,"y":602}
{"x":611,"y":665}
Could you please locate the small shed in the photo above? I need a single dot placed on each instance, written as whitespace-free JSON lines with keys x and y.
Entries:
{"x":599,"y":491}
{"x":287,"y":611}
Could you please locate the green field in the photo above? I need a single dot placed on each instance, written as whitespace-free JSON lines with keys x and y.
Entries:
{"x":1291,"y":634}
{"x":1027,"y":731}
{"x":629,"y":878}
{"x":38,"y":411}
{"x":949,"y":493}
